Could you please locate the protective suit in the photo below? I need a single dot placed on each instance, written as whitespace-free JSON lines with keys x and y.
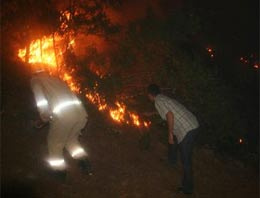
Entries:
{"x":67,"y":116}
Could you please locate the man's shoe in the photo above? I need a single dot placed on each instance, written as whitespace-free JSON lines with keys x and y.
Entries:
{"x":85,"y":166}
{"x":181,"y":190}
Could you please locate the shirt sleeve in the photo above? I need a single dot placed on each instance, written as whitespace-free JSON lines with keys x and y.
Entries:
{"x":41,"y":101}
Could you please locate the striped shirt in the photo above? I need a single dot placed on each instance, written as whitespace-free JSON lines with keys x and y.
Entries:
{"x":184,"y":120}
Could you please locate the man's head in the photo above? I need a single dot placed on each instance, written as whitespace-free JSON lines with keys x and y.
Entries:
{"x":153,"y":90}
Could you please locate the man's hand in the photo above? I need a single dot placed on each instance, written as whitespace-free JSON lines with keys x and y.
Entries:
{"x":170,"y":138}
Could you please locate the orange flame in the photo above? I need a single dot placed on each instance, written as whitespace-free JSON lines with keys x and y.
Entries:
{"x":43,"y":51}
{"x":119,"y":113}
{"x":40,"y":51}
{"x":70,"y":82}
{"x":209,"y":50}
{"x":95,"y":98}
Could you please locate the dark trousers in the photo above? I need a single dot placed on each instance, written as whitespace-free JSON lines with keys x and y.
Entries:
{"x":185,"y":147}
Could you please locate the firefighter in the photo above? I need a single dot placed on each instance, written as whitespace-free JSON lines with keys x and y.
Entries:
{"x":59,"y":106}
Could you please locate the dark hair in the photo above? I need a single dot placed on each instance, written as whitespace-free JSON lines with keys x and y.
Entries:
{"x":153,"y":89}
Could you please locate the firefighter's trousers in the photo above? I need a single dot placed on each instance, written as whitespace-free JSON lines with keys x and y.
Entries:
{"x":63,"y":134}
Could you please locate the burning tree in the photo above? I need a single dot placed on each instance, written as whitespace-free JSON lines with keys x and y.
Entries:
{"x":56,"y":52}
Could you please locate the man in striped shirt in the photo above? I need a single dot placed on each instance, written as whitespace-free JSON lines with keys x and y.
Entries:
{"x":182,"y":128}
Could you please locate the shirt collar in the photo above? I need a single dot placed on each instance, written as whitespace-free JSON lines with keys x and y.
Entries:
{"x":158,"y":96}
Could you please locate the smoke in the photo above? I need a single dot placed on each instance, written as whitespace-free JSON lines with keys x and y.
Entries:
{"x":132,"y":10}
{"x":129,"y":11}
{"x":61,"y":5}
{"x":85,"y":42}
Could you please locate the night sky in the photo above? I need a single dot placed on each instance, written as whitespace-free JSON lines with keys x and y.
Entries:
{"x":233,"y":22}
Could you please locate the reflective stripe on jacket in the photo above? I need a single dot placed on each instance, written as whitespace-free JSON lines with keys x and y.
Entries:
{"x":54,"y":98}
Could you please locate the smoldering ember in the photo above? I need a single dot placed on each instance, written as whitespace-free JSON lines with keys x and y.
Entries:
{"x":130,"y":99}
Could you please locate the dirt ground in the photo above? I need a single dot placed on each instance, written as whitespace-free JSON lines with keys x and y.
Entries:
{"x":121,"y":168}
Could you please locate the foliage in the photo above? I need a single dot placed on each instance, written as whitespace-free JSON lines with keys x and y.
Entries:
{"x":88,"y":17}
{"x":181,"y":63}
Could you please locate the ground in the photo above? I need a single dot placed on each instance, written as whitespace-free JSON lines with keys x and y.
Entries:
{"x":122,"y":168}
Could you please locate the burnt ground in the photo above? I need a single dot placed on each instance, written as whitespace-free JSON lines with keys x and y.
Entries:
{"x":122,"y":169}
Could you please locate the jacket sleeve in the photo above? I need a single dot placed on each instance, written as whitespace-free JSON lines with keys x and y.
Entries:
{"x":41,"y":101}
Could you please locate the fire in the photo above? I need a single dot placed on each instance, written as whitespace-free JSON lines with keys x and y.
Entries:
{"x":67,"y":14}
{"x":22,"y":54}
{"x":118,"y":114}
{"x":250,"y":61}
{"x":71,"y":83}
{"x":210,"y":51}
{"x":135,"y":119}
{"x":49,"y":51}
{"x":121,"y":114}
{"x":146,"y":124}
{"x":72,"y":43}
{"x":40,"y":51}
{"x":96,"y":99}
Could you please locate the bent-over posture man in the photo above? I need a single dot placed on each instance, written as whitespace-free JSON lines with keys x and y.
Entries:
{"x":183,"y":125}
{"x":59,"y":106}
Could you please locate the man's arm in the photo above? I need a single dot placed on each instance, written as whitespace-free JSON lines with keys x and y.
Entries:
{"x":41,"y":102}
{"x":148,"y":114}
{"x":170,"y":122}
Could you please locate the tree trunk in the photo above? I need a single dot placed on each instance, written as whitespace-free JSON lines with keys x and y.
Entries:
{"x":41,"y":48}
{"x":55,"y":54}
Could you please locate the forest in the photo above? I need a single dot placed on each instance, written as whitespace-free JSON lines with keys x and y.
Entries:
{"x":205,"y":54}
